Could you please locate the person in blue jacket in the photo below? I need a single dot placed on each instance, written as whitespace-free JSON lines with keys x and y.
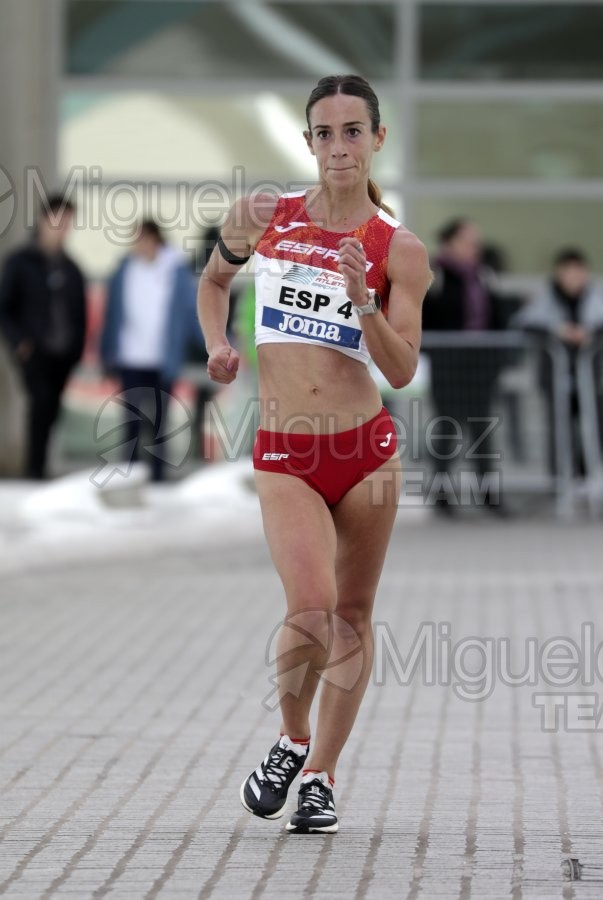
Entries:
{"x":149,"y":322}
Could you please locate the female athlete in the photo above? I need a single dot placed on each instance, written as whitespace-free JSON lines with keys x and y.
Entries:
{"x":338,"y":281}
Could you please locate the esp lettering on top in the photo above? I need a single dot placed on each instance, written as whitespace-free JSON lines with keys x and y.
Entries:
{"x":303,"y":299}
{"x":311,"y":249}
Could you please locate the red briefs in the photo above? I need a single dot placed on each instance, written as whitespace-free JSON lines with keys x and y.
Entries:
{"x":329,"y":463}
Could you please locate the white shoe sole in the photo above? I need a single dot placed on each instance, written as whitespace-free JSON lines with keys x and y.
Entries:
{"x":325,"y":829}
{"x":275,"y":815}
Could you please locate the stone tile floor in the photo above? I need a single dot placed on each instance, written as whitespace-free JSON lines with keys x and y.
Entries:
{"x":132,"y":687}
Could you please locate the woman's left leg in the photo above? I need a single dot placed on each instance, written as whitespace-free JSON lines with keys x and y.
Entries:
{"x":364,"y":519}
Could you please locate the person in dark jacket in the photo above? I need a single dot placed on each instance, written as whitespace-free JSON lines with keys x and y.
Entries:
{"x":462,"y":298}
{"x":150,"y":318}
{"x":43,"y":319}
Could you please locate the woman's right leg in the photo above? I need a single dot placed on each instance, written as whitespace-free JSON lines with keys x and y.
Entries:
{"x":302,"y":541}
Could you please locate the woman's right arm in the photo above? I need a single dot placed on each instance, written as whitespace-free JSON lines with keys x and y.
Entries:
{"x":246,"y":222}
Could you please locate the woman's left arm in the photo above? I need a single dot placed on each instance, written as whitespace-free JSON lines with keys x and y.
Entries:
{"x":393,"y":343}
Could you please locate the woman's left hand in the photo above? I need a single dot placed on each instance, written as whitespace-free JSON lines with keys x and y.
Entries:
{"x":352,"y":265}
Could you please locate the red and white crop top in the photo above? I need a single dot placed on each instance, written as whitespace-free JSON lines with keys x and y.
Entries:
{"x":300,"y":294}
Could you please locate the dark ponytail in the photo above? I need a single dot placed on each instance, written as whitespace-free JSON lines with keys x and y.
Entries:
{"x":355,"y":86}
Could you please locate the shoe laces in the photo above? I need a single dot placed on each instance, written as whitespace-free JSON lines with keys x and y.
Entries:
{"x":314,"y":795}
{"x":280,"y":764}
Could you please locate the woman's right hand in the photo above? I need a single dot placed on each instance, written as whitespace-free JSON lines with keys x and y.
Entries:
{"x":223,"y":364}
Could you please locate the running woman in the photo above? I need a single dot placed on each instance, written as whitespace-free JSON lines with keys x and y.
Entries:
{"x":338,"y":281}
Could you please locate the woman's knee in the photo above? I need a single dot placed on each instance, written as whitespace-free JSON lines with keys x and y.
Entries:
{"x":353,"y":621}
{"x":312,"y":594}
{"x":309,"y":624}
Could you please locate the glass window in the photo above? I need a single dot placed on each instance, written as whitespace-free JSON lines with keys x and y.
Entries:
{"x":228,"y":40}
{"x":528,"y":231}
{"x":184,"y":159}
{"x":511,"y":40}
{"x":394,"y":200}
{"x":170,"y":136}
{"x":544,"y":139}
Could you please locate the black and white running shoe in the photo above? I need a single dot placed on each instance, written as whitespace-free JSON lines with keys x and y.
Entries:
{"x":316,"y":807}
{"x":264,"y":793}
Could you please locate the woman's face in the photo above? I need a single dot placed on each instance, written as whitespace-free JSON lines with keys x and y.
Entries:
{"x":342,"y":141}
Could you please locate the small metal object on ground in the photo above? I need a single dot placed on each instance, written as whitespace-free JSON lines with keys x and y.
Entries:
{"x":572,"y":869}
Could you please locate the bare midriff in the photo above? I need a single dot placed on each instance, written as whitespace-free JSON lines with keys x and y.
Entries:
{"x":309,"y":389}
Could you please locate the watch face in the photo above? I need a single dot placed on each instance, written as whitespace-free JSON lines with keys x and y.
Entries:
{"x":377,"y":300}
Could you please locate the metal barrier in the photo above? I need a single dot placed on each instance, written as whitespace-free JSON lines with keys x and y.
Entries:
{"x":506,"y":370}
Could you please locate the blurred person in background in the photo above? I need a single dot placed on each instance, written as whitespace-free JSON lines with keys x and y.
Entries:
{"x":463,"y":298}
{"x":43,"y":319}
{"x":494,"y":259}
{"x":197,"y":352}
{"x":568,"y":306}
{"x":150,"y":316}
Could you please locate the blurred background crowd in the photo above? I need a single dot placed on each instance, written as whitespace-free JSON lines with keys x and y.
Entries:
{"x":130,"y":126}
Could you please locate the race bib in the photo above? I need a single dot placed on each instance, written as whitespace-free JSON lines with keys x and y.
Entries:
{"x":307,"y":301}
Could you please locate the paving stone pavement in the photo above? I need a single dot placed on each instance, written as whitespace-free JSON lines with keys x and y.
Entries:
{"x":131,"y":699}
